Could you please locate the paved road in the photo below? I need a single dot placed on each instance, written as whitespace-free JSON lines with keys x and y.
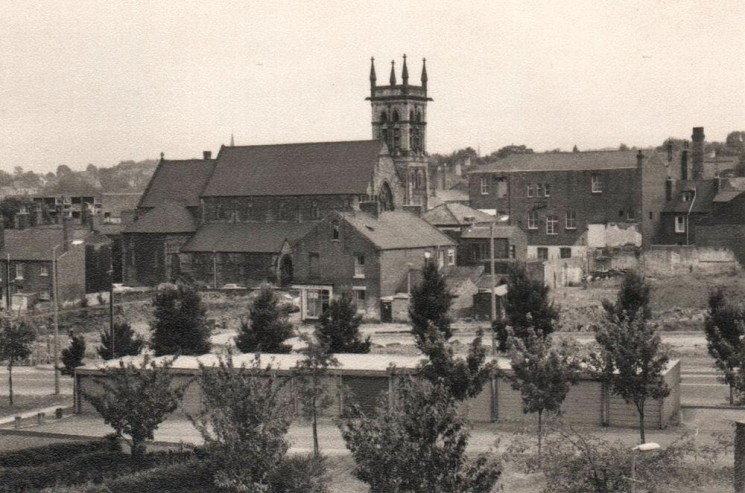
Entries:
{"x":33,"y":381}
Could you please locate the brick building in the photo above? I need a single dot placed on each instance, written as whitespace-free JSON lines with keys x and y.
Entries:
{"x":368,"y":254}
{"x":568,"y":202}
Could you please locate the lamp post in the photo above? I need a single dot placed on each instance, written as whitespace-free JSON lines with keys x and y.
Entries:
{"x":644,"y":447}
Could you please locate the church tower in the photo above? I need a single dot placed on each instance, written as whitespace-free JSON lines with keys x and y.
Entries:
{"x":399,"y":118}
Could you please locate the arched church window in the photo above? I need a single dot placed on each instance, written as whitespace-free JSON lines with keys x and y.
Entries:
{"x":384,"y":117}
{"x":395,"y":116}
{"x":419,"y":116}
{"x":411,"y":116}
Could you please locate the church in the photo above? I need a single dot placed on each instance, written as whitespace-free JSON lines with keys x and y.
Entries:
{"x":235,"y":219}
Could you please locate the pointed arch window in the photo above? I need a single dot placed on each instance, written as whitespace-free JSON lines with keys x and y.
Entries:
{"x":314,"y":211}
{"x":395,"y":116}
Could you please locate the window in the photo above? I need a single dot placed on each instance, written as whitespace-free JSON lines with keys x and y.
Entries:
{"x":551,"y":225}
{"x":501,"y":188}
{"x":43,"y":270}
{"x":620,"y":213}
{"x":571,"y":219}
{"x":485,"y":188}
{"x":597,"y":183}
{"x":531,"y":190}
{"x":680,"y":224}
{"x":538,"y":190}
{"x":359,"y":266}
{"x":546,"y":189}
{"x":630,"y":216}
{"x":360,"y":297}
{"x":480,"y":251}
{"x":542,"y":253}
{"x":533,"y":220}
{"x":335,"y":233}
{"x":565,"y":252}
{"x":651,"y":215}
{"x":314,"y":212}
{"x":451,"y":256}
{"x":19,"y":271}
{"x":512,"y":251}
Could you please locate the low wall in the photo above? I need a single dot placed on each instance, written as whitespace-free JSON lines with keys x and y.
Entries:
{"x":668,"y":261}
{"x":588,"y":403}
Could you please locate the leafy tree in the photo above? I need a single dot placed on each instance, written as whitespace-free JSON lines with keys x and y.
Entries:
{"x":339,"y":327}
{"x":464,"y":378}
{"x":135,"y":400}
{"x":311,"y":374}
{"x":72,"y":356}
{"x":180,"y":325}
{"x":429,"y":304}
{"x":63,"y":170}
{"x":244,"y":423}
{"x":542,"y":373}
{"x":631,"y":359}
{"x":623,"y":147}
{"x":417,"y":444}
{"x":10,"y":206}
{"x":527,"y":306}
{"x":724,"y":326}
{"x":125,"y":342}
{"x":16,"y":343}
{"x":632,"y":299}
{"x":267,"y":327}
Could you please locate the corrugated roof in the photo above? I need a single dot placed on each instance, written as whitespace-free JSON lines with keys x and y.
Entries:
{"x":483,"y":231}
{"x":36,"y":243}
{"x":178,"y":181}
{"x":321,"y":168}
{"x":455,"y":214}
{"x":246,"y":237}
{"x":564,"y":161}
{"x":168,"y":217}
{"x":395,"y":230}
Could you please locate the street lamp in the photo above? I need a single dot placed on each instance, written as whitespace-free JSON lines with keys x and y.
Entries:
{"x":55,"y":295}
{"x":644,"y":447}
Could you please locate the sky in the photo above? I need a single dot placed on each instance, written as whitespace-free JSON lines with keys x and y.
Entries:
{"x":100,"y":82}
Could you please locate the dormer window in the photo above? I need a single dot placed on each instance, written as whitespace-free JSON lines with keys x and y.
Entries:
{"x":687,"y":196}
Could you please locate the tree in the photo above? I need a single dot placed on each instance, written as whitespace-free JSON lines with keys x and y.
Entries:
{"x":72,"y":356}
{"x":314,"y":394}
{"x":416,"y":444}
{"x":429,"y":304}
{"x":267,"y":327}
{"x":464,"y":378}
{"x":180,"y":325}
{"x":542,"y":373}
{"x":339,"y":327}
{"x":16,"y":342}
{"x":527,"y":306}
{"x":63,"y":170}
{"x":631,"y":359}
{"x":632,"y":299}
{"x":724,"y":326}
{"x":125,"y":342}
{"x":244,"y":422}
{"x":134,"y":400}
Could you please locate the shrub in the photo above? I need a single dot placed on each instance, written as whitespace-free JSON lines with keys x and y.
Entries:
{"x":72,"y":356}
{"x":126,"y":342}
{"x":429,"y":305}
{"x":339,"y":327}
{"x":267,"y":327}
{"x":52,"y":453}
{"x":193,"y":475}
{"x":180,"y":325}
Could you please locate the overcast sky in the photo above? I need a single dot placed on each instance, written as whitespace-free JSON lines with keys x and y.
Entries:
{"x":99,"y":82}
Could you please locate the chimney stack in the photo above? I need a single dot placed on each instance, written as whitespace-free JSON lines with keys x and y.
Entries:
{"x":697,"y":153}
{"x":371,"y":207}
{"x":669,"y":151}
{"x":207,"y":155}
{"x":66,"y":232}
{"x":639,"y":159}
{"x":669,"y":189}
{"x":684,"y":162}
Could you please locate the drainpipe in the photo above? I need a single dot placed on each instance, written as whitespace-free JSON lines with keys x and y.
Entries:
{"x":688,"y":217}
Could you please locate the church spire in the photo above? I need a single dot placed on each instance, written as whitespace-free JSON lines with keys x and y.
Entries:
{"x":393,"y":72}
{"x":405,"y":73}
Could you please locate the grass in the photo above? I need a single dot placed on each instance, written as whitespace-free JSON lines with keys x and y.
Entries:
{"x":23,"y":403}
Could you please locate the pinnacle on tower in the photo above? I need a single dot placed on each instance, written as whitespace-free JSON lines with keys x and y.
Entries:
{"x":405,"y":73}
{"x":373,"y":77}
{"x":424,"y":72}
{"x":393,"y":72}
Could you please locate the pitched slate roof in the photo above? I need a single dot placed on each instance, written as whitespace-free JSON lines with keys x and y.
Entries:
{"x":706,"y":190}
{"x":563,"y":161}
{"x":178,"y":181}
{"x":168,"y":217}
{"x":246,"y":237}
{"x":36,"y":243}
{"x":118,"y":202}
{"x":321,"y":168}
{"x":395,"y":230}
{"x":453,"y":213}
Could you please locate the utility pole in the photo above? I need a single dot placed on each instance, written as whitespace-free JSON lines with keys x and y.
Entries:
{"x":111,"y":303}
{"x":493,"y":275}
{"x":56,"y":319}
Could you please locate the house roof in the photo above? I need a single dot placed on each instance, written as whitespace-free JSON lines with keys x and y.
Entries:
{"x":446,"y":196}
{"x":246,"y":237}
{"x":563,"y":161}
{"x":706,"y":190}
{"x":36,"y":243}
{"x":453,"y":213}
{"x":484,"y":231}
{"x":393,"y":230}
{"x":322,"y":168}
{"x":168,"y":217}
{"x":178,"y":181}
{"x":726,"y":196}
{"x":117,"y":202}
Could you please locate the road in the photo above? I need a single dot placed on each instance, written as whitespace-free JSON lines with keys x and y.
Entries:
{"x":33,"y":381}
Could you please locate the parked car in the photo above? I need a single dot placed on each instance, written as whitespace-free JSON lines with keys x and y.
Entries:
{"x":232,"y":285}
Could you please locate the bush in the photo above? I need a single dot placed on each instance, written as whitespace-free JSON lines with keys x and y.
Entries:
{"x":193,"y":475}
{"x":53,"y":453}
{"x":300,"y":474}
{"x":267,"y":327}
